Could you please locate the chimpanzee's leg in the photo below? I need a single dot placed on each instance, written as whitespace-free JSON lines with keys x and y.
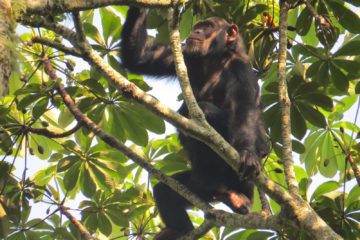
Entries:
{"x":172,"y":206}
{"x":238,"y":196}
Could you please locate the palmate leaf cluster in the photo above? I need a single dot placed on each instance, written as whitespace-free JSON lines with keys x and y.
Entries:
{"x":323,"y":72}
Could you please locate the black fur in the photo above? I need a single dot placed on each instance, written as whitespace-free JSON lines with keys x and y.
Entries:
{"x":226,"y":89}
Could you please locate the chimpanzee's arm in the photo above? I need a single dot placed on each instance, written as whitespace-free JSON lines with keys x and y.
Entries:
{"x":140,"y":55}
{"x":243,"y":100}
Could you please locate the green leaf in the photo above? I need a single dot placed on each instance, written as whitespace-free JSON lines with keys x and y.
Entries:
{"x":339,"y":79}
{"x":84,"y":138}
{"x":110,"y":23}
{"x":348,"y":65}
{"x":354,"y":195}
{"x":132,"y":126}
{"x":97,"y":113}
{"x":30,"y":88}
{"x":304,"y":22}
{"x":354,"y":2}
{"x":318,"y":99}
{"x":311,"y":157}
{"x":328,"y":162}
{"x":147,"y":119}
{"x":308,"y":50}
{"x":87,"y":182}
{"x":312,"y":115}
{"x":5,"y":141}
{"x":67,"y":162}
{"x":260,"y":235}
{"x":27,"y":100}
{"x":186,"y":23}
{"x":357,"y":88}
{"x":311,"y":38}
{"x":347,"y":18}
{"x":40,"y":107}
{"x":116,"y":214}
{"x":65,"y":118}
{"x":252,"y":13}
{"x":307,"y":88}
{"x":325,"y":188}
{"x":102,"y":179}
{"x":272,"y":119}
{"x":105,"y":225}
{"x":298,"y":147}
{"x":91,"y":221}
{"x":297,"y":122}
{"x":93,"y":33}
{"x":4,"y":223}
{"x":115,"y":125}
{"x":140,"y":211}
{"x":71,"y":176}
{"x":351,"y":48}
{"x":95,"y":86}
{"x":37,"y":142}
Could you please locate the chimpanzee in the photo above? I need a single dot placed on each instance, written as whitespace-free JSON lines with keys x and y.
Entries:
{"x":226,"y":89}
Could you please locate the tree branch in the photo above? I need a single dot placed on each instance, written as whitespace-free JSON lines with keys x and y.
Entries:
{"x":298,"y":211}
{"x":44,"y":7}
{"x":56,"y":45}
{"x":84,"y":233}
{"x":50,"y":134}
{"x":285,"y":102}
{"x":181,"y":70}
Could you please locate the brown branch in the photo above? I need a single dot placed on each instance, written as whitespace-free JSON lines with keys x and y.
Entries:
{"x":296,"y":211}
{"x":285,"y":102}
{"x":181,"y":70}
{"x":7,"y":48}
{"x":265,"y":206}
{"x":81,"y":37}
{"x":59,"y":46}
{"x":50,"y":134}
{"x":55,"y":27}
{"x":83,"y":231}
{"x":43,"y":7}
{"x":354,"y":168}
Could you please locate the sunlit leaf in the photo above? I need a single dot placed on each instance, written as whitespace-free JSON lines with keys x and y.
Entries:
{"x":71,"y":176}
{"x":87,"y":182}
{"x":325,"y":188}
{"x":93,"y":33}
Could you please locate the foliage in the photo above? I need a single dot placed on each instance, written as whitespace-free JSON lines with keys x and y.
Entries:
{"x":116,"y":200}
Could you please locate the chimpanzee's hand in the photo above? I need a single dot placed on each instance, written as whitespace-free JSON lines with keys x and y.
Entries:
{"x":249,"y":164}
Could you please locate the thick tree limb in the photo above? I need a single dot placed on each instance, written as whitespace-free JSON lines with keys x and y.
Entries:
{"x":297,"y":210}
{"x":43,"y":7}
{"x":6,"y":29}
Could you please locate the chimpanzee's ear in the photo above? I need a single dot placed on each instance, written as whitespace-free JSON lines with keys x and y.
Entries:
{"x":231,"y":33}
